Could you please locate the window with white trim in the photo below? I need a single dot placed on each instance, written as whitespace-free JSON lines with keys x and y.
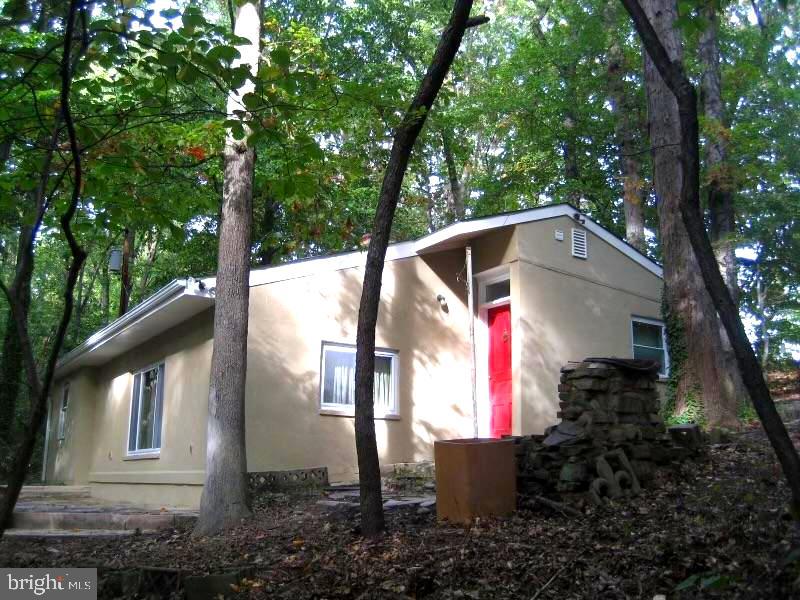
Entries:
{"x":650,"y":342}
{"x":62,"y":413}
{"x":338,"y":380}
{"x":144,"y":435}
{"x":580,"y":243}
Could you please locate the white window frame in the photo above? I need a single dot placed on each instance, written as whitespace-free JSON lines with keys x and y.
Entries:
{"x":348,"y":410}
{"x":585,"y":255}
{"x":146,"y":452}
{"x":489,"y":277}
{"x":648,"y":321}
{"x":62,"y":413}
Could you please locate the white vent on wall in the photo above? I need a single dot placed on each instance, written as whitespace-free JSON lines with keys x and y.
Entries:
{"x":580,"y":245}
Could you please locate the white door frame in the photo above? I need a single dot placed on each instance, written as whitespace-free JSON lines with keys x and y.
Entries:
{"x":484,"y":279}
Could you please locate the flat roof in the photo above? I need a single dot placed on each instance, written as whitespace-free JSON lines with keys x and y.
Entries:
{"x":181,"y":299}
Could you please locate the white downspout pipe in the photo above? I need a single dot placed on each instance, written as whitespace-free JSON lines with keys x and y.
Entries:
{"x":471,"y":309}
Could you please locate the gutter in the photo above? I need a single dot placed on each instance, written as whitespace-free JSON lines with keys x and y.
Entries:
{"x":169,"y":292}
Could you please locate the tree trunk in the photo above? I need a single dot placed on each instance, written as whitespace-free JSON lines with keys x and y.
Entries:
{"x":125,"y":275}
{"x":702,"y":374}
{"x":624,"y":109}
{"x":40,"y":388}
{"x":105,"y":292}
{"x":455,"y":204}
{"x":570,"y":144}
{"x":11,"y":365}
{"x":369,"y":476}
{"x":225,"y":500}
{"x":720,"y":195}
{"x":750,"y":369}
{"x":266,"y":252}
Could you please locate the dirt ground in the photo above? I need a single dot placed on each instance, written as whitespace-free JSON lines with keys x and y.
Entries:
{"x":716,"y":527}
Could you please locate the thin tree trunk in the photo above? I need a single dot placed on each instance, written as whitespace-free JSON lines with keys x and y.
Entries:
{"x":267,"y":252}
{"x":455,"y":204}
{"x":128,"y":250}
{"x":40,"y":388}
{"x":372,"y":521}
{"x":752,"y":374}
{"x":720,"y":195}
{"x":11,"y":363}
{"x":147,"y":268}
{"x":702,"y":373}
{"x":105,"y":293}
{"x":624,"y":109}
{"x":225,"y":500}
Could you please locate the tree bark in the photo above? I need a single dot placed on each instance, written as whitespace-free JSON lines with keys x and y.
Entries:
{"x":128,"y":240}
{"x":11,"y":364}
{"x":671,"y":70}
{"x":372,"y":521}
{"x":625,"y":110}
{"x":225,"y":500}
{"x":702,"y":374}
{"x":720,"y":195}
{"x":455,"y":203}
{"x":40,"y":387}
{"x":105,"y":293}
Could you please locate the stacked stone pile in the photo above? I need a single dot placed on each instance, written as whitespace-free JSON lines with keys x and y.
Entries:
{"x":610,"y":431}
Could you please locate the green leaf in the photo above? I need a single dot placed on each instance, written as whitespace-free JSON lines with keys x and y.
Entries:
{"x":281,"y":57}
{"x":223,"y":53}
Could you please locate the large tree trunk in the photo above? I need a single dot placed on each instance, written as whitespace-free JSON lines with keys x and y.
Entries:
{"x":750,"y":369}
{"x":625,"y":111}
{"x":369,"y":476}
{"x":702,"y":373}
{"x":720,"y":195}
{"x":225,"y":500}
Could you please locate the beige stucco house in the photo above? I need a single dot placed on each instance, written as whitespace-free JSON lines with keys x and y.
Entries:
{"x":128,"y":409}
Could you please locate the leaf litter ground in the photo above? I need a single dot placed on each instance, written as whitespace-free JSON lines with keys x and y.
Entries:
{"x":714,"y":527}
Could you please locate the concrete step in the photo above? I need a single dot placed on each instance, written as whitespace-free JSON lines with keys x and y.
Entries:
{"x":73,"y":533}
{"x":48,"y":492}
{"x":99,"y":520}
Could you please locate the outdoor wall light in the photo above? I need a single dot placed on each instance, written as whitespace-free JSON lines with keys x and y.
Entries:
{"x":443,"y":303}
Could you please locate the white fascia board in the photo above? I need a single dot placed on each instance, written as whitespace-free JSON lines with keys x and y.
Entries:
{"x":477,"y":226}
{"x":313,"y":266}
{"x":623,"y":247}
{"x":171,"y":292}
{"x":429,"y":243}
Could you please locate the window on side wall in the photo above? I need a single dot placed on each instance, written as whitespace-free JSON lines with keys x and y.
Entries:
{"x":649,"y":342}
{"x":144,"y":435}
{"x":62,"y":413}
{"x":337,"y":385}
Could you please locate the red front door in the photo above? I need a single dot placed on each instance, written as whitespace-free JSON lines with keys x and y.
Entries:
{"x":500,"y":370}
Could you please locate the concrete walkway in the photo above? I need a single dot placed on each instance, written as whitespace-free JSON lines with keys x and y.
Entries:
{"x":70,"y":511}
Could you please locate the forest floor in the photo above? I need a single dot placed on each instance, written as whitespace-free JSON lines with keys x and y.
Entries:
{"x":713,"y":527}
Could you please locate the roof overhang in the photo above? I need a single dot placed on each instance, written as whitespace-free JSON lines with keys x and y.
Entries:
{"x":459,"y":234}
{"x":182,"y":299}
{"x":173,"y":304}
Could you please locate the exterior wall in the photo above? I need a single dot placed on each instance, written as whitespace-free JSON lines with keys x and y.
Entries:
{"x":186,"y":353}
{"x":570,"y":309}
{"x":68,"y":459}
{"x":562,"y":309}
{"x":290,"y":320}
